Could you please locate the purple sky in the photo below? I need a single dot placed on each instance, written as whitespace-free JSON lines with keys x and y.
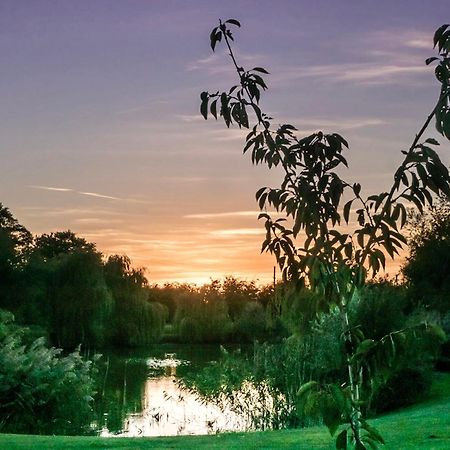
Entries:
{"x":100,"y":130}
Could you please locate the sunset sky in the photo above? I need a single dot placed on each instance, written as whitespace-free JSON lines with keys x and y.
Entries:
{"x":100,"y":130}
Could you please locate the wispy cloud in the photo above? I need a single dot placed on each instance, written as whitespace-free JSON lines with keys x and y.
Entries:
{"x":312,"y":124}
{"x":150,"y":106}
{"x":237,"y":232}
{"x":40,"y":211}
{"x":398,"y":39}
{"x":189,"y":118}
{"x":229,"y":134}
{"x":93,"y":194}
{"x":48,"y":188}
{"x":217,"y":62}
{"x":89,"y":194}
{"x":201,"y":63}
{"x":382,"y":57}
{"x":359,"y":73}
{"x":58,"y":189}
{"x":223,"y":214}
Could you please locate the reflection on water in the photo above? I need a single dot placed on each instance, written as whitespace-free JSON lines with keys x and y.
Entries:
{"x":142,"y":396}
{"x":169,"y":410}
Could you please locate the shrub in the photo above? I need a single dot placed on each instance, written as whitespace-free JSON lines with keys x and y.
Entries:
{"x":42,"y":392}
{"x":404,"y":387}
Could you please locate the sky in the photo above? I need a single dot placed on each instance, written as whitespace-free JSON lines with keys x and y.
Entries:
{"x":100,"y":130}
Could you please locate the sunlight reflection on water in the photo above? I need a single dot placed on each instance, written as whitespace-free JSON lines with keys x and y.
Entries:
{"x":170,"y":410}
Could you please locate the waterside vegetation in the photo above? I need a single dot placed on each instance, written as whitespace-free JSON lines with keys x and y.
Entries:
{"x":425,"y":426}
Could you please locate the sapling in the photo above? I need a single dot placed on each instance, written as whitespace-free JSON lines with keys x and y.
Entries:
{"x":331,"y":237}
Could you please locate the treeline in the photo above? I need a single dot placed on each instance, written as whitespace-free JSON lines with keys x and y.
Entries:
{"x":64,"y":288}
{"x":230,"y":310}
{"x":61,"y":286}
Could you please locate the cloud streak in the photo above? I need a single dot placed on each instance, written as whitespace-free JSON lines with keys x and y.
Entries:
{"x":221,"y":215}
{"x":88,"y":194}
{"x":230,"y":233}
{"x":359,"y":73}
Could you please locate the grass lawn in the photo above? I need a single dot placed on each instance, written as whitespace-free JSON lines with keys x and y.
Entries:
{"x":425,"y":426}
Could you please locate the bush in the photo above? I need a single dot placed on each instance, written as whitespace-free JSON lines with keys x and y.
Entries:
{"x":250,"y":324}
{"x":380,"y":309}
{"x":42,"y":392}
{"x":404,"y":387}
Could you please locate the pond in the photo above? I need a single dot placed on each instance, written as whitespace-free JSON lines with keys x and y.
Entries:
{"x":141,"y":394}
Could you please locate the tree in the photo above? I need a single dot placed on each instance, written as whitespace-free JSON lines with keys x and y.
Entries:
{"x":15,"y":241}
{"x":137,"y":321}
{"x":74,"y":293}
{"x":237,"y":293}
{"x":427,"y":269}
{"x":315,"y":244}
{"x":62,"y":242}
{"x":202,"y":315}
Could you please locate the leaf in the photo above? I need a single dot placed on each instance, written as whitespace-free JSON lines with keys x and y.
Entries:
{"x":204,"y":105}
{"x":443,"y":41}
{"x":215,"y":38}
{"x":234,"y":22}
{"x":341,"y":440}
{"x":225,"y":110}
{"x":365,"y":346}
{"x":432,"y":141}
{"x":260,"y":69}
{"x":341,"y":139}
{"x":243,"y":116}
{"x":307,"y":387}
{"x":260,"y":81}
{"x":212,"y":38}
{"x":428,"y":61}
{"x":347,"y":208}
{"x":372,"y":431}
{"x":439,"y":32}
{"x":264,"y":216}
{"x":214,"y":108}
{"x":357,"y":189}
{"x":259,"y":192}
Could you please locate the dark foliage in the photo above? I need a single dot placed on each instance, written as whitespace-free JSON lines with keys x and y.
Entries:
{"x":403,"y":388}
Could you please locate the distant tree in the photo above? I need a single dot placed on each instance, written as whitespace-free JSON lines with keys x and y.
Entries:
{"x":427,"y":268}
{"x":202,"y":315}
{"x":15,"y":242}
{"x":237,"y":293}
{"x":15,"y":239}
{"x":250,"y":324}
{"x":136,"y":320}
{"x":169,"y":295}
{"x":75,"y":295}
{"x":60,"y":243}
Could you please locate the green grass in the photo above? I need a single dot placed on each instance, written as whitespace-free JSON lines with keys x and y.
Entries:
{"x":425,"y":426}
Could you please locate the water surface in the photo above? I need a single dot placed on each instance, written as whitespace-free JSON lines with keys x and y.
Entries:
{"x":141,"y":394}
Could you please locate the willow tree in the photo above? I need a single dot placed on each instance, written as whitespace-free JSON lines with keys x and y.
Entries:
{"x":330,"y":236}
